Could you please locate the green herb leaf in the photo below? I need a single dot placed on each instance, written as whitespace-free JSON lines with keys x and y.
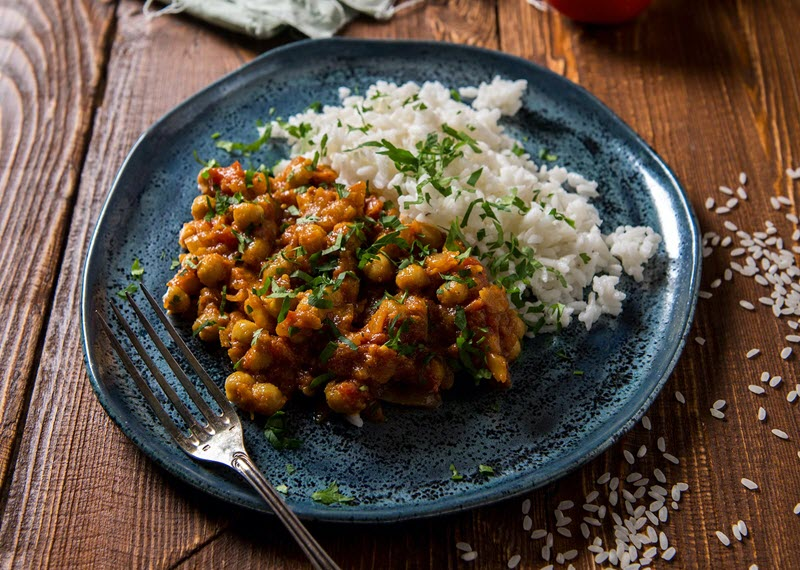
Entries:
{"x":205,"y":325}
{"x":454,"y":474}
{"x":276,"y":432}
{"x":131,"y":288}
{"x":283,"y":489}
{"x":137,"y":270}
{"x":486,"y":470}
{"x":265,"y":132}
{"x":331,"y":495}
{"x":545,"y":154}
{"x":290,"y":469}
{"x":175,"y":264}
{"x":475,"y":176}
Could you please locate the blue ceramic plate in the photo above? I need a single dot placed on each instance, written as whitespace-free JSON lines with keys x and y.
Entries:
{"x":549,"y":423}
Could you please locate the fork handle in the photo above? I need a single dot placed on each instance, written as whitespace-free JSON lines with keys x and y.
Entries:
{"x":312,"y":549}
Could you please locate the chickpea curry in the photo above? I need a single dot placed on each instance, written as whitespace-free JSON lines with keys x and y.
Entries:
{"x":325,"y":290}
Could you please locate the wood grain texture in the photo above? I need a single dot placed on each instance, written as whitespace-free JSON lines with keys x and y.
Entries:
{"x":47,"y":92}
{"x":712,"y":86}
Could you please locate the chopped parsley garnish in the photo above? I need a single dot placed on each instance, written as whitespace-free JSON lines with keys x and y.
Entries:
{"x":264,"y":132}
{"x":316,"y":106}
{"x":290,"y":469}
{"x":131,"y":288}
{"x":331,"y":496}
{"x":545,"y":154}
{"x":585,"y":257}
{"x":475,"y":176}
{"x":454,"y":474}
{"x":137,"y":270}
{"x":518,"y":150}
{"x":276,"y":432}
{"x":204,"y":325}
{"x":283,"y":489}
{"x":486,"y":470}
{"x":456,"y":96}
{"x":174,"y":264}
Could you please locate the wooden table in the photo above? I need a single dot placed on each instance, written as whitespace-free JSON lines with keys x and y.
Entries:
{"x":712,"y":86}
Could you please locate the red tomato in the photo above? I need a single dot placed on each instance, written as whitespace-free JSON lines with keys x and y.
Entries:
{"x":600,"y":11}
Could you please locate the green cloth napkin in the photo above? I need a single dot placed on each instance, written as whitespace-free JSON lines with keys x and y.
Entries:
{"x":265,"y":18}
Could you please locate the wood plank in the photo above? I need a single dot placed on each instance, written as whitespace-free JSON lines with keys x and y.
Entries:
{"x":714,"y":94}
{"x":82,"y":494}
{"x":47,"y":91}
{"x":65,"y":489}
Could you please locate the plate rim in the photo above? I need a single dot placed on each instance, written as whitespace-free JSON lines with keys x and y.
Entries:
{"x":615,"y":429}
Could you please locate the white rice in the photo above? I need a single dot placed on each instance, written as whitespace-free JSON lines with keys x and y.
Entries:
{"x":749,"y":484}
{"x":557,"y":221}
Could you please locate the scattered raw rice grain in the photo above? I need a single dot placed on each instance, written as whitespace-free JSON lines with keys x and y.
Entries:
{"x":791,"y":396}
{"x":775,"y":381}
{"x":737,"y":534}
{"x":766,"y":301}
{"x":592,"y":496}
{"x":564,"y":532}
{"x":570,"y":554}
{"x":784,"y":200}
{"x":565,"y":505}
{"x":756,"y":389}
{"x":742,"y":193}
{"x":786,"y":352}
{"x":560,"y":558}
{"x":513,"y":562}
{"x":612,"y":499}
{"x":738,"y":252}
{"x":700,"y":340}
{"x":753,"y":567}
{"x":719,"y":404}
{"x":723,"y":538}
{"x":793,"y":174}
{"x":682,"y":487}
{"x":747,"y":305}
{"x":765,"y":376}
{"x":592,"y":521}
{"x":642,"y":451}
{"x":661,"y":444}
{"x":633,"y":477}
{"x":728,"y":275}
{"x":671,"y":458}
{"x":709,"y":203}
{"x":762,"y":414}
{"x":629,"y":457}
{"x":749,"y":484}
{"x":717,"y":414}
{"x":796,"y":509}
{"x":527,"y":523}
{"x":793,"y":338}
{"x":548,"y":567}
{"x":742,"y":527}
{"x":742,"y":178}
{"x":469,"y":556}
{"x":679,"y":397}
{"x":465,"y":546}
{"x":792,"y":218}
{"x":730,"y":225}
{"x":526,"y":506}
{"x":704,"y":294}
{"x":726,"y":241}
{"x":775,"y":204}
{"x":753,"y":352}
{"x":715,"y":283}
{"x":726,"y":190}
{"x":601,"y":557}
{"x":614,"y":484}
{"x":584,"y":530}
{"x":669,"y":553}
{"x":546,"y":553}
{"x":646,"y":423}
{"x":538,"y":533}
{"x":732,"y":203}
{"x":780,"y":433}
{"x":605,"y":477}
{"x":660,"y":477}
{"x":722,"y":210}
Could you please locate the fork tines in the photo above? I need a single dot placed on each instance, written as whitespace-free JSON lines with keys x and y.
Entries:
{"x":214,"y":422}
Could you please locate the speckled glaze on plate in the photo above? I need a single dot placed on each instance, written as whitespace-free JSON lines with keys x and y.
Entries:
{"x":547,"y":424}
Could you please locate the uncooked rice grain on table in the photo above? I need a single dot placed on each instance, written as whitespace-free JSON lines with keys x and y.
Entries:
{"x":404,"y":115}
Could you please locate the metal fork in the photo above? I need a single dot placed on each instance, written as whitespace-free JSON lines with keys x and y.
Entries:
{"x":220,"y":439}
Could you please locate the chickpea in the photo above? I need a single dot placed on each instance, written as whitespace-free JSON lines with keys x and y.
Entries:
{"x":379,"y":269}
{"x":259,"y":183}
{"x":201,"y":205}
{"x":430,"y":235}
{"x":312,"y":237}
{"x":257,"y":251}
{"x":412,"y":278}
{"x":262,"y":398}
{"x":452,"y":293}
{"x":206,"y":329}
{"x":498,"y":366}
{"x":257,"y":360}
{"x":247,"y":215}
{"x":243,"y":331}
{"x":269,"y":399}
{"x":176,"y":300}
{"x":212,"y":269}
